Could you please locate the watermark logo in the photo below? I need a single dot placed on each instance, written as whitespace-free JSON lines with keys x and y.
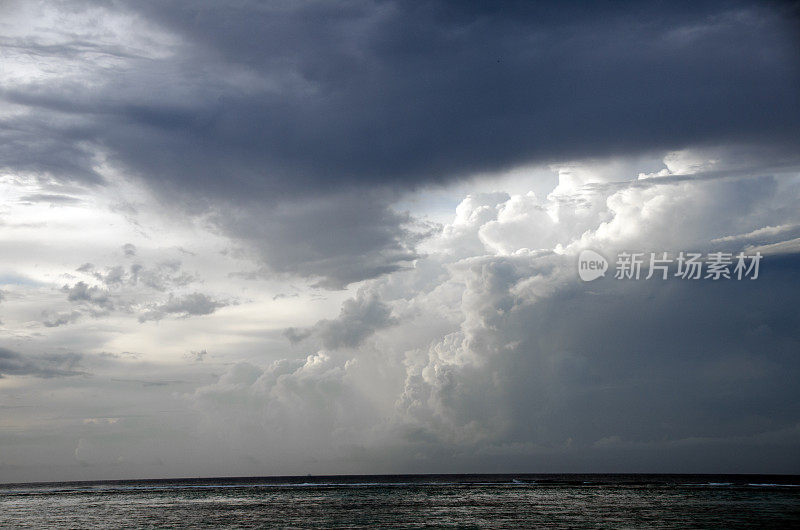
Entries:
{"x":662,"y":265}
{"x":591,"y":265}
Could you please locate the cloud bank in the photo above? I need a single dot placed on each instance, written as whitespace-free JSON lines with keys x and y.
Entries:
{"x":282,"y":238}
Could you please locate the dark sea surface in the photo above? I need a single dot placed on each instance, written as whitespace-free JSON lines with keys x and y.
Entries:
{"x":411,"y":501}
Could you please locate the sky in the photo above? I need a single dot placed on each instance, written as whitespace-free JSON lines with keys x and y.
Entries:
{"x":305,"y":237}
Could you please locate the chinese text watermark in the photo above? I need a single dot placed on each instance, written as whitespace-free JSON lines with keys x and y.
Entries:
{"x":663,"y":265}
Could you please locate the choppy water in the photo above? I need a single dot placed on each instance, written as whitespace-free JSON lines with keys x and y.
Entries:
{"x":457,"y":501}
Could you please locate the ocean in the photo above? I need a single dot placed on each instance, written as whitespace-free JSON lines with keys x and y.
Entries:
{"x":410,"y":501}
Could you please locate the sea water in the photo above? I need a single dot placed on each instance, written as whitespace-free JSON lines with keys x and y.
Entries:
{"x":411,"y":501}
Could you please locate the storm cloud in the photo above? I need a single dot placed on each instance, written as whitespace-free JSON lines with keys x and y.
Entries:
{"x":243,"y":109}
{"x":307,"y":97}
{"x":313,"y":237}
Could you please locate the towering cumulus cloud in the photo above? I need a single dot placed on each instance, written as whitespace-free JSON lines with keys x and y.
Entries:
{"x":365,"y":219}
{"x":506,"y":356}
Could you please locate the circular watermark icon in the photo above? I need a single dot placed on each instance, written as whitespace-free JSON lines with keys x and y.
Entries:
{"x":591,"y":265}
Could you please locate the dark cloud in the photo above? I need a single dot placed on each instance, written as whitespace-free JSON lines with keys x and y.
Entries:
{"x":129,"y":249}
{"x":50,"y":365}
{"x":651,"y":361}
{"x":613,"y":366}
{"x":59,"y":319}
{"x":37,"y":143}
{"x":404,"y":93}
{"x":120,"y":289}
{"x":81,"y":292}
{"x":49,"y":197}
{"x":264,"y":103}
{"x":183,"y":306}
{"x":359,"y":318}
{"x":337,"y":240}
{"x":161,"y":277}
{"x":278,"y":296}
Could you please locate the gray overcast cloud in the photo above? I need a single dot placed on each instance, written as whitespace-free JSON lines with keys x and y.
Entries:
{"x":303,"y":98}
{"x":364,"y":218}
{"x":248,"y":105}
